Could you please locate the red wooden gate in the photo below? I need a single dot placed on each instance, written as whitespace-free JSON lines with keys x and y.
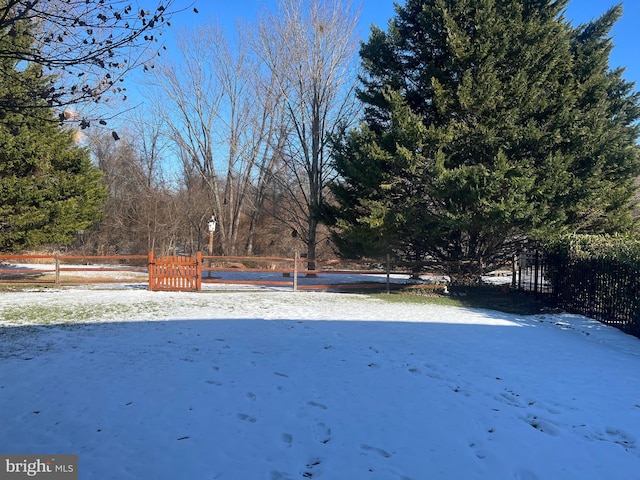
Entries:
{"x":175,"y":273}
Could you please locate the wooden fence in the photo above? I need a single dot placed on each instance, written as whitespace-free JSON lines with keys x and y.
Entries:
{"x":60,"y":270}
{"x":280,"y":272}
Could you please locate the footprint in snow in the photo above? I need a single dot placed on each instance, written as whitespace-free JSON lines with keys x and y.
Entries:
{"x":275,"y":475}
{"x":524,"y":475}
{"x":434,"y":372}
{"x":510,"y":398}
{"x":480,"y":452}
{"x":620,"y":437}
{"x":379,"y":451}
{"x":542,"y":425}
{"x":246,"y":418}
{"x":314,"y":463}
{"x":287,"y":439}
{"x":311,"y":465}
{"x":322,"y":433}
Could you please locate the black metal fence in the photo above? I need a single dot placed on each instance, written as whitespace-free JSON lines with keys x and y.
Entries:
{"x":531,"y":272}
{"x":603,"y":289}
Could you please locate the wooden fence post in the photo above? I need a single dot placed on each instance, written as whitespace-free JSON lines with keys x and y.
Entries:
{"x":57,"y":267}
{"x":199,"y":271}
{"x":150,"y":269}
{"x":295,"y":270}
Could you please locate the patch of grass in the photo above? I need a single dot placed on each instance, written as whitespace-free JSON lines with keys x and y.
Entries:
{"x":22,"y":287}
{"x":410,"y":297}
{"x":486,"y":297}
{"x":47,"y":314}
{"x":67,"y":314}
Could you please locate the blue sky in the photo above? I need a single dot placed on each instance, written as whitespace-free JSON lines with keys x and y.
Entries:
{"x":626,"y":32}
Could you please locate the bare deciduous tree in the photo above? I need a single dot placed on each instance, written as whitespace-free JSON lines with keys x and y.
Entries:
{"x":139,"y":213}
{"x":225,"y":119}
{"x":310,"y":48}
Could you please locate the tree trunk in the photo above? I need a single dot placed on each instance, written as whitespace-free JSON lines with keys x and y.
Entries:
{"x":311,"y":245}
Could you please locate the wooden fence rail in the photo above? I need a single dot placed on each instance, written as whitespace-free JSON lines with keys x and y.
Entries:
{"x":58,"y":270}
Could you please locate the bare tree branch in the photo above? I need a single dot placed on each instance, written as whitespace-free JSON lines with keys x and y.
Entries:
{"x":87,"y":45}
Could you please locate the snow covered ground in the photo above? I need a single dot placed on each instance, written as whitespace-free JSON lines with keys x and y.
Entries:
{"x":279,"y":385}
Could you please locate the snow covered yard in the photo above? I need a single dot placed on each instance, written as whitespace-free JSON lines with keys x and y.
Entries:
{"x":282,"y":385}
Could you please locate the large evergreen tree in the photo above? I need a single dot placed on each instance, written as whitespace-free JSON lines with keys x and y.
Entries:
{"x":486,"y":122}
{"x":49,"y":189}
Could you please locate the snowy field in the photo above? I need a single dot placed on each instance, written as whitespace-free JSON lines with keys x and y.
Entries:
{"x":280,"y":385}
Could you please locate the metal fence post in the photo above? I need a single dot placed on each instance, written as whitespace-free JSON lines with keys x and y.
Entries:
{"x":536,"y":272}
